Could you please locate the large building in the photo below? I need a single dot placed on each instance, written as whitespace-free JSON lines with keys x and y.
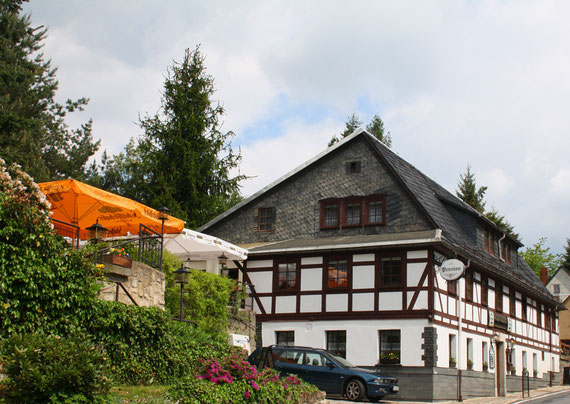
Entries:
{"x":344,"y":254}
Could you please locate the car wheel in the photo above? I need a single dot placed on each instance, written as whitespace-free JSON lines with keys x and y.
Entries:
{"x":354,"y":390}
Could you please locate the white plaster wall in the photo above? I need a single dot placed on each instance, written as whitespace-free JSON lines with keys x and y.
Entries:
{"x":311,"y":260}
{"x":415,"y":271}
{"x":363,"y":301}
{"x":265,"y":302}
{"x":311,"y":303}
{"x":362,"y":257}
{"x":311,"y":279}
{"x":362,"y":276}
{"x":286,"y":304}
{"x":337,"y":302}
{"x":389,"y":301}
{"x":262,"y":280}
{"x":421,"y":301}
{"x":362,"y":338}
{"x":260,"y":264}
{"x":417,"y":254}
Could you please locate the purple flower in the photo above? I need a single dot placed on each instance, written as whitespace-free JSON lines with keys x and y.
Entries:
{"x":247,"y":394}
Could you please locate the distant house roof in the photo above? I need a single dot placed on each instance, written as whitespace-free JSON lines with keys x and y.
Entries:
{"x":432,"y":198}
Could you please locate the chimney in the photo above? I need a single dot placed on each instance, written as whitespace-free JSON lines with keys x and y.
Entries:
{"x":544,"y":275}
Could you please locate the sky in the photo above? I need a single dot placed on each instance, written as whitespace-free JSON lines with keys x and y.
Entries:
{"x":485,"y":83}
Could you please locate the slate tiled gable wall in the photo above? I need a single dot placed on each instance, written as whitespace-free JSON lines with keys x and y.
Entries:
{"x":297,"y":201}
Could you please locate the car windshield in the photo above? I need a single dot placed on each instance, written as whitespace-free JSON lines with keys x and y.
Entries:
{"x":342,"y":361}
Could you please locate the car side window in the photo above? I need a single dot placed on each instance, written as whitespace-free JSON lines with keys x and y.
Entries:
{"x":290,"y":356}
{"x":314,"y":359}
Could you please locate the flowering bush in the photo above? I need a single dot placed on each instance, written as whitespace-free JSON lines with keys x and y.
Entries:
{"x":390,"y":355}
{"x":233,"y":380}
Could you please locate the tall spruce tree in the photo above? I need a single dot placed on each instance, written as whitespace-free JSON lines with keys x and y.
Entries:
{"x":182,"y":161}
{"x":468,"y":191}
{"x":33,"y":132}
{"x":375,"y":127}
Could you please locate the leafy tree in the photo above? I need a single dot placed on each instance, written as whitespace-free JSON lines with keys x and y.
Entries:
{"x":538,"y":256}
{"x":33,"y":132}
{"x":375,"y":127}
{"x":502,"y":222}
{"x":183,"y":160}
{"x":468,"y":191}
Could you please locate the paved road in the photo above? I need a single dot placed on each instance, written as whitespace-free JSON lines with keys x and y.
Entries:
{"x":547,"y":395}
{"x":562,"y":397}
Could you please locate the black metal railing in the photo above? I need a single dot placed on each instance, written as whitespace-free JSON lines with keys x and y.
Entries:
{"x":68,"y":231}
{"x":146,"y":248}
{"x":150,"y":247}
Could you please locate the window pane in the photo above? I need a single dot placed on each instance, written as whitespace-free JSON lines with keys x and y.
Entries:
{"x":337,"y":274}
{"x":390,"y":346}
{"x":375,"y":212}
{"x":266,"y":219}
{"x":285,"y":337}
{"x":353,"y":213}
{"x":287,"y":275}
{"x":336,"y":343}
{"x":331,"y":215}
{"x":392,"y":271}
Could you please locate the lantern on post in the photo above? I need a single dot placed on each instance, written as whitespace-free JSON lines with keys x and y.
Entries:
{"x":97,"y":232}
{"x":180,"y":275}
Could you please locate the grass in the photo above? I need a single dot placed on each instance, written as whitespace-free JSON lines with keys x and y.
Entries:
{"x":139,"y":394}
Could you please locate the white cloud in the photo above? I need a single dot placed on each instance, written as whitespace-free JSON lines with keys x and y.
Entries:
{"x":482,"y":82}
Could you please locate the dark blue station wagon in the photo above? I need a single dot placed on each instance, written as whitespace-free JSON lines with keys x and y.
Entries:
{"x":330,"y":373}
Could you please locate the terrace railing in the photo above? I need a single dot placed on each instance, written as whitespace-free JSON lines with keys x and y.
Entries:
{"x":68,"y":231}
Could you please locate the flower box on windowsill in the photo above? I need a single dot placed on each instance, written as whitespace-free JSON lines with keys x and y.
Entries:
{"x":119,"y":260}
{"x":386,"y":361}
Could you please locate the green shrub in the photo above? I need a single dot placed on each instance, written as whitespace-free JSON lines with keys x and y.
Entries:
{"x":43,"y":369}
{"x":44,"y":286}
{"x":233,"y":380}
{"x":145,"y":346}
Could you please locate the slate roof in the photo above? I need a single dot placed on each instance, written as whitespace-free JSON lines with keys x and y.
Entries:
{"x":432,"y":199}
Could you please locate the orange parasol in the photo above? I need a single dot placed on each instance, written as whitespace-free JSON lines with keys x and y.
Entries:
{"x":82,"y":205}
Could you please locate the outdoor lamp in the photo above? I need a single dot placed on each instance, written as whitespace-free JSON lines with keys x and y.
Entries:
{"x":97,"y":232}
{"x":180,"y":275}
{"x":163,"y":216}
{"x":223,"y":260}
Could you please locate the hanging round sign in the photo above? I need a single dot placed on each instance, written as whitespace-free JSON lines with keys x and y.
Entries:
{"x":452,"y":269}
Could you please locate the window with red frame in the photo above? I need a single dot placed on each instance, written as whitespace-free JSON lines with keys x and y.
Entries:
{"x":391,"y":271}
{"x":337,"y":274}
{"x":286,"y":276}
{"x":375,"y":210}
{"x":266,"y":219}
{"x":352,"y":213}
{"x":330,"y":214}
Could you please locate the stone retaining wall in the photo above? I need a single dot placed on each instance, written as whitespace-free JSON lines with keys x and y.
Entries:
{"x":440,"y":384}
{"x":145,"y":284}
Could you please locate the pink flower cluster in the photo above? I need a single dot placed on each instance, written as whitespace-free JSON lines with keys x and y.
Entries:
{"x":214,"y":373}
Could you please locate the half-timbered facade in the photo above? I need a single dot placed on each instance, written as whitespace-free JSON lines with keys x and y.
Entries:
{"x":344,"y":254}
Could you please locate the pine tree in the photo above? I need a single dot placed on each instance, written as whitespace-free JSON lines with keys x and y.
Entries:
{"x":182,"y":161}
{"x":468,"y":191}
{"x":502,"y":222}
{"x":33,"y":132}
{"x":375,"y":127}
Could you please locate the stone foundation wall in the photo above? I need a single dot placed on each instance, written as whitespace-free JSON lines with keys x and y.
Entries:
{"x":440,"y":384}
{"x":145,"y":284}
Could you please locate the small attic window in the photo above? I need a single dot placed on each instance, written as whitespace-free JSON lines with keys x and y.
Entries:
{"x":353,"y":167}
